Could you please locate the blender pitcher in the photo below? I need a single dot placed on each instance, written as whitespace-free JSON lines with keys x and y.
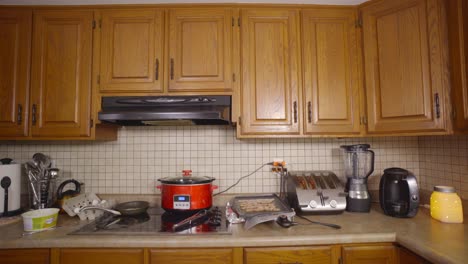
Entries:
{"x":358,"y":166}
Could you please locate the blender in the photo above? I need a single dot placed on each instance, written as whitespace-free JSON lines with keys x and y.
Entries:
{"x":358,"y":166}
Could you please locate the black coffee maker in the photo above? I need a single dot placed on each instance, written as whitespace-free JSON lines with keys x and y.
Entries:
{"x":399,"y":193}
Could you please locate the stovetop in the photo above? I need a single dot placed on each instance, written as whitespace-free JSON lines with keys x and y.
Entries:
{"x":158,"y":222}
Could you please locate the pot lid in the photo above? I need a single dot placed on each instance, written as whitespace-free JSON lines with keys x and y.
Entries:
{"x":187,"y":178}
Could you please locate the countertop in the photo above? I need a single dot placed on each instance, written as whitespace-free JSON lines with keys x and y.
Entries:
{"x":435,"y":241}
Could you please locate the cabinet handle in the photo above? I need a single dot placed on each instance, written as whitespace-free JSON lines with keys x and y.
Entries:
{"x":156,"y":70}
{"x":437,"y":105}
{"x":20,"y":114}
{"x":309,"y":112}
{"x":295,"y":111}
{"x":172,"y":69}
{"x":289,"y":262}
{"x":34,"y":109}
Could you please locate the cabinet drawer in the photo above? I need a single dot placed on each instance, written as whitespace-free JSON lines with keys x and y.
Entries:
{"x":296,"y":255}
{"x":24,"y":256}
{"x":101,"y":256}
{"x":192,"y":256}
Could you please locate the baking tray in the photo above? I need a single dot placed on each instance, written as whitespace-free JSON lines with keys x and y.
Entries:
{"x":260,"y":208}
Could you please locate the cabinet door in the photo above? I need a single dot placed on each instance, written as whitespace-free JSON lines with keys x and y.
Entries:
{"x":330,"y":71}
{"x":200,"y":46}
{"x":101,"y":256}
{"x":270,"y":72}
{"x":407,"y":257}
{"x":458,"y":32}
{"x":24,"y":256}
{"x":405,"y":66}
{"x":369,"y":254}
{"x":131,"y":50}
{"x":15,"y":57}
{"x":61,"y":73}
{"x":192,"y":256}
{"x":304,"y":255}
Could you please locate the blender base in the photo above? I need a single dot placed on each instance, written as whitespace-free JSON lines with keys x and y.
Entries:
{"x":358,"y":205}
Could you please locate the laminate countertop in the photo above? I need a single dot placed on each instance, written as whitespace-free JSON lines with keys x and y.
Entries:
{"x":435,"y":241}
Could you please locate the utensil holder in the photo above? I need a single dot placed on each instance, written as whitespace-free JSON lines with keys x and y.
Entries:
{"x":42,"y":193}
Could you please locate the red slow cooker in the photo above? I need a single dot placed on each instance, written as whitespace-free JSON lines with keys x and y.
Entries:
{"x":186,"y":193}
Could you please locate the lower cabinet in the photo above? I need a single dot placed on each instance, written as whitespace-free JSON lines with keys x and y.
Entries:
{"x":196,"y":256}
{"x":374,"y":253}
{"x":24,"y":256}
{"x":297,"y":255}
{"x":100,"y":256}
{"x":369,"y":254}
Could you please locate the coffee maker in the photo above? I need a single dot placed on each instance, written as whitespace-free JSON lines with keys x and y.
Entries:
{"x":358,"y":166}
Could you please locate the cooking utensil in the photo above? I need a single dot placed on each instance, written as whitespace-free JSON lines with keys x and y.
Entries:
{"x":42,"y":160}
{"x":5,"y":183}
{"x":186,"y":193}
{"x":127,"y":209}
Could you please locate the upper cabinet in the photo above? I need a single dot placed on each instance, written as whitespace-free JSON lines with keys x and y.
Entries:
{"x":330,"y":71}
{"x":15,"y":57}
{"x":458,"y":30}
{"x":270,"y":55}
{"x":200,"y":50}
{"x":61,"y":74}
{"x":131,"y":50}
{"x":405,"y":57}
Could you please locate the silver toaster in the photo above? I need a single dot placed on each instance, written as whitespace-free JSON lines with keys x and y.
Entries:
{"x":319,"y":192}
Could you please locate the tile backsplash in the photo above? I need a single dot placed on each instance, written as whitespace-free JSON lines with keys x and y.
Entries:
{"x":141,"y":155}
{"x":444,"y":161}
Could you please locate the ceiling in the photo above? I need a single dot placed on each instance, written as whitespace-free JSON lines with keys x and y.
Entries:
{"x":96,"y":2}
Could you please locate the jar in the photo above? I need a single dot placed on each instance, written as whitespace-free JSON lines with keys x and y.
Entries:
{"x":446,"y":205}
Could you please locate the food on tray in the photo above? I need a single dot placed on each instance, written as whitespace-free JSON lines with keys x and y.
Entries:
{"x":258,"y":205}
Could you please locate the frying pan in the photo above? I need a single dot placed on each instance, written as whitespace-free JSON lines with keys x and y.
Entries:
{"x":127,"y":209}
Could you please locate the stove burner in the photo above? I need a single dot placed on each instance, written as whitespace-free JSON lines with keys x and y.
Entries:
{"x":158,"y":222}
{"x":111,"y":221}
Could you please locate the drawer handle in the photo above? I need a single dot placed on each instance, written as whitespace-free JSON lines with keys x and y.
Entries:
{"x":172,"y":69}
{"x":295,"y":111}
{"x":290,"y":262}
{"x":34,"y":110}
{"x":156,"y":73}
{"x":20,"y":114}
{"x":309,"y":111}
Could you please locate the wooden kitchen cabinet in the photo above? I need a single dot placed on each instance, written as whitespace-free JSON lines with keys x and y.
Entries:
{"x":15,"y":57}
{"x":200,"y":50}
{"x":458,"y":37}
{"x":369,"y":254}
{"x":406,"y":72}
{"x":303,"y":255}
{"x":101,"y":256}
{"x":331,"y":71}
{"x":131,"y":50}
{"x":270,"y":66}
{"x":196,"y":256}
{"x":61,"y":74}
{"x":407,"y":257}
{"x":24,"y":256}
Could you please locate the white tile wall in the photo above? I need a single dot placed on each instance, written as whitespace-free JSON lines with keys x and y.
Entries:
{"x":444,"y":161}
{"x":143,"y":154}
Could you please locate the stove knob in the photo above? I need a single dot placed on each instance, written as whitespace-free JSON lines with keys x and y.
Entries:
{"x":333,"y":203}
{"x":313,"y":204}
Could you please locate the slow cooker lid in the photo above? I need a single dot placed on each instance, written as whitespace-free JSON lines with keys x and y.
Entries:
{"x":186,"y":180}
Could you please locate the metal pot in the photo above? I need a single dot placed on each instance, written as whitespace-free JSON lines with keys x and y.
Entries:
{"x":186,"y":193}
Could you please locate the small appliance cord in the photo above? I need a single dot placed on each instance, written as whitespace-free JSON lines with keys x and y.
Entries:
{"x":243,"y":177}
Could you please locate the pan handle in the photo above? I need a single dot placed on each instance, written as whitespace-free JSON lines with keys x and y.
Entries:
{"x":214,"y":187}
{"x":159,"y":187}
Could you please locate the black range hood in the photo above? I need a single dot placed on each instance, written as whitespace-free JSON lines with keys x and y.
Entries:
{"x":166,"y":110}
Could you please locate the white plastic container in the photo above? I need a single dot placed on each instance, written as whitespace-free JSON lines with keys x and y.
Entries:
{"x":40,"y":219}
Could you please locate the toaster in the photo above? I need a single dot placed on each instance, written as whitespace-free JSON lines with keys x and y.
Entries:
{"x":399,"y":193}
{"x":315,"y":192}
